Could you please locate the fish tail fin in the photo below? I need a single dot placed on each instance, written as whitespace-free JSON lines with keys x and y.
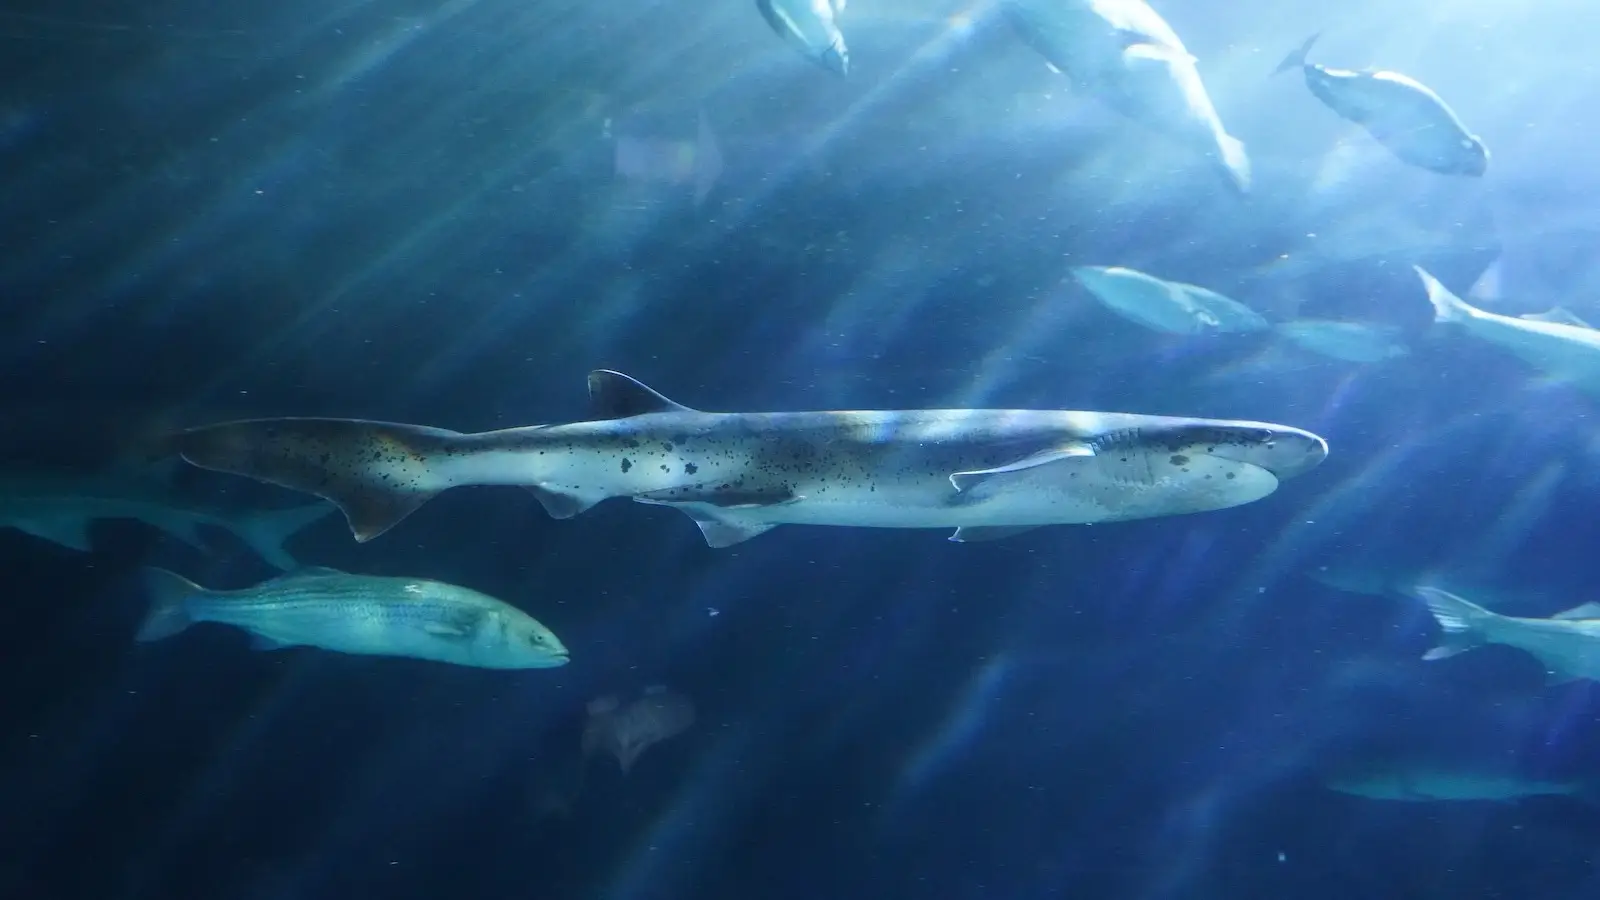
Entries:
{"x":266,"y":531}
{"x":1297,"y":58}
{"x":1235,"y":161}
{"x":169,"y":595}
{"x":1461,"y":621}
{"x":1447,"y":307}
{"x":376,"y":473}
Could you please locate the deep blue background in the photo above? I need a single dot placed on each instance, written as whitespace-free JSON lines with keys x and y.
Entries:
{"x":406,"y":211}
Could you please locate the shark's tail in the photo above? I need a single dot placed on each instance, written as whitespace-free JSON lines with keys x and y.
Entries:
{"x":1461,"y":621}
{"x":266,"y":531}
{"x":377,"y":473}
{"x":1447,"y":307}
{"x":1297,"y":59}
{"x":169,"y":596}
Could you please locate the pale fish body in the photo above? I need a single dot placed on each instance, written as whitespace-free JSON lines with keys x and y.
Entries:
{"x":361,"y":614}
{"x":1403,"y":115}
{"x":59,"y":508}
{"x":809,"y":26}
{"x":1568,"y":643}
{"x":988,"y":473}
{"x":1349,"y":341}
{"x":1549,"y":343}
{"x":1169,"y":306}
{"x":627,"y":731}
{"x":1421,"y":783}
{"x":1125,"y":54}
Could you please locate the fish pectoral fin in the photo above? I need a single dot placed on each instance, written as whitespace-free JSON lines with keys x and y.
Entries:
{"x":1143,"y":53}
{"x":70,"y":532}
{"x":613,"y":395}
{"x":1555,"y":678}
{"x":971,"y":533}
{"x":965,"y":481}
{"x":558,"y":504}
{"x":447,"y":629}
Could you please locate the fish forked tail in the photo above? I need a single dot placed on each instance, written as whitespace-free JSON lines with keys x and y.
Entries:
{"x":1297,"y":59}
{"x":169,"y":596}
{"x":376,"y":473}
{"x":1447,"y":307}
{"x":1461,"y":621}
{"x":266,"y":531}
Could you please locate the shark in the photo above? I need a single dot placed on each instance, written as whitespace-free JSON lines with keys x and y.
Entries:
{"x":59,"y":507}
{"x":988,"y":474}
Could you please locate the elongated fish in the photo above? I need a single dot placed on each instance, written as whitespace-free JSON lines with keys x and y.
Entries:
{"x":987,"y":473}
{"x":1568,"y":643}
{"x":360,"y":614}
{"x":1403,"y":115}
{"x":1124,"y":53}
{"x":1349,"y":341}
{"x":59,"y":508}
{"x":1547,"y":341}
{"x":1169,"y":306}
{"x":809,"y":26}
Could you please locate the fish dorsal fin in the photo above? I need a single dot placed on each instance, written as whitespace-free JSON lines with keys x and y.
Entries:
{"x":613,"y":395}
{"x":1557,"y":315}
{"x":1583,"y":611}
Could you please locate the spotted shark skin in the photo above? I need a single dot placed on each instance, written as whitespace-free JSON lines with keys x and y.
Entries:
{"x":987,"y":473}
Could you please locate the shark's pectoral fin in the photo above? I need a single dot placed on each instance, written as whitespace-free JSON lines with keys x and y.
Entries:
{"x":613,"y":395}
{"x":68,"y":532}
{"x":965,"y":481}
{"x":558,"y":504}
{"x":972,"y":533}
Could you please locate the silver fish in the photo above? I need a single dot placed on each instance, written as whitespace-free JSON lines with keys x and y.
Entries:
{"x":59,"y":508}
{"x":987,"y":473}
{"x":1568,"y":643}
{"x":1125,"y":54}
{"x":1402,"y":114}
{"x":1169,"y":306}
{"x":1348,"y":341}
{"x":360,"y":614}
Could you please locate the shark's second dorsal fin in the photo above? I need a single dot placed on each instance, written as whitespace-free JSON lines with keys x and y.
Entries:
{"x":1557,"y":315}
{"x":1584,"y":611}
{"x":613,"y":395}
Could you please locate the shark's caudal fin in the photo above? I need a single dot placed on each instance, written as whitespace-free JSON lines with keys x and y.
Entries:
{"x":1461,"y":621}
{"x":1297,"y":59}
{"x":1447,"y":307}
{"x":377,"y":473}
{"x":266,"y":531}
{"x":169,"y":592}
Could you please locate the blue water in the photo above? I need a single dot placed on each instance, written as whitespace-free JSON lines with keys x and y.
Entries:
{"x":409,"y":211}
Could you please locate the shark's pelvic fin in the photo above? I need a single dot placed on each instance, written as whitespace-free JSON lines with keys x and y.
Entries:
{"x":613,"y":395}
{"x":560,"y":505}
{"x":964,"y":481}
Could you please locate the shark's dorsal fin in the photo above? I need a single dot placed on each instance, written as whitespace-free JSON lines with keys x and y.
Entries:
{"x":1557,"y":315}
{"x":613,"y":395}
{"x":1585,"y":611}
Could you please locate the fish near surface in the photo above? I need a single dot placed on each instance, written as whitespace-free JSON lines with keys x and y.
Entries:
{"x":1549,"y":343}
{"x":1568,"y":643}
{"x":1403,"y":115}
{"x":1169,"y":306}
{"x":810,"y":27}
{"x":625,"y":732}
{"x":360,"y":614}
{"x":987,"y":472}
{"x":1125,"y":54}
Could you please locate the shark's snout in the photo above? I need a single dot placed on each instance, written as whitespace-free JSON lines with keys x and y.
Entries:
{"x":1279,"y":449}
